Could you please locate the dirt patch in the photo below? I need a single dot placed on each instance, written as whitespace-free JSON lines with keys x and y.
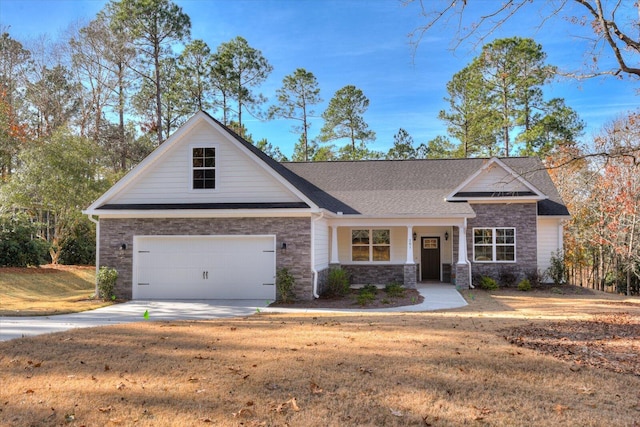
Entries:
{"x":381,"y":300}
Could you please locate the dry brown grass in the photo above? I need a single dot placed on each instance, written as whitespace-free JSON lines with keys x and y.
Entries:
{"x":428,"y":369}
{"x":52,"y":289}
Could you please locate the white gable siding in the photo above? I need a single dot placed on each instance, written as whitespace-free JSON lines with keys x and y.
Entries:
{"x":238,"y":178}
{"x":321,"y":249}
{"x":549,"y":241}
{"x":494,"y":178}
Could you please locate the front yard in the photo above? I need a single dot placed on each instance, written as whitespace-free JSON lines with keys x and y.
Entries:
{"x":47,"y":290}
{"x":484,"y":364}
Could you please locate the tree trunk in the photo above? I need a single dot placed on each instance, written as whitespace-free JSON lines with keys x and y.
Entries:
{"x":156,"y":54}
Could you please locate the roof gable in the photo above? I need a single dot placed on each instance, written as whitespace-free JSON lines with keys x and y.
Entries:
{"x":163,"y":180}
{"x":495,"y":181}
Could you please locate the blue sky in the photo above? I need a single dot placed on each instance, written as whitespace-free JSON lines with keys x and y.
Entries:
{"x":359,"y":42}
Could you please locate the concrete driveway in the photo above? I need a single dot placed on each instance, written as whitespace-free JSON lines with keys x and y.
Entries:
{"x":436,"y":297}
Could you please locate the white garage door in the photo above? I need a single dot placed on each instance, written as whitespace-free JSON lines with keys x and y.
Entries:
{"x":204,"y":267}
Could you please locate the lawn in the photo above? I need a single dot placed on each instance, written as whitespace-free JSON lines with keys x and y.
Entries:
{"x":490,"y":363}
{"x":47,"y":290}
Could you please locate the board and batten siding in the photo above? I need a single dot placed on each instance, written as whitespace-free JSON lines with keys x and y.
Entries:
{"x":321,"y":248}
{"x":238,"y":178}
{"x":494,"y":179}
{"x":549,"y":241}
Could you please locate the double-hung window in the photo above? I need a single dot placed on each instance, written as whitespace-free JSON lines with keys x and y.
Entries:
{"x":494,"y":244}
{"x":371,"y":245}
{"x":203,"y":168}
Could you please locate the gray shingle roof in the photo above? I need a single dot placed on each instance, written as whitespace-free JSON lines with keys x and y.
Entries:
{"x":400,"y":187}
{"x":408,"y":187}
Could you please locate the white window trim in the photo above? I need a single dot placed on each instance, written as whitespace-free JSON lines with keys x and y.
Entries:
{"x":371,"y":245}
{"x":494,"y":245}
{"x":190,"y":163}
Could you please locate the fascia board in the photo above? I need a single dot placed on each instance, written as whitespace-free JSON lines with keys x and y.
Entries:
{"x":201,"y":213}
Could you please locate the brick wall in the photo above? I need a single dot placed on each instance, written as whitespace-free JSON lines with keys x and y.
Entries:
{"x":296,"y":232}
{"x":522,"y":216}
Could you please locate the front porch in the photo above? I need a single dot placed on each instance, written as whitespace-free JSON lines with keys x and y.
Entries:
{"x":376,"y":253}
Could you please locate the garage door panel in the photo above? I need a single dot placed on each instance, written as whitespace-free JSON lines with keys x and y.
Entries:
{"x":205,"y":267}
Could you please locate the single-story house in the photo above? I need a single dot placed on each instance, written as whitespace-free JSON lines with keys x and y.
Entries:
{"x":207,"y":215}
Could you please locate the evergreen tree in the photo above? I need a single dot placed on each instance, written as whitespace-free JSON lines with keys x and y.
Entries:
{"x":299,"y":91}
{"x":344,"y":119}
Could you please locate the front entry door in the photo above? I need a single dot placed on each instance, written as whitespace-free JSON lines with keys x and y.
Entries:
{"x":430,"y":258}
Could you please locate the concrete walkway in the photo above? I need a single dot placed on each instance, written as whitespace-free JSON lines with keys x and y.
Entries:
{"x":436,"y":297}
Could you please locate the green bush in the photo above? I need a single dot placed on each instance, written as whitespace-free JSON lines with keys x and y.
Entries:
{"x":394,"y":289}
{"x":372,"y":289}
{"x":488,"y":284}
{"x":285,"y":283}
{"x":507,"y":277}
{"x":524,"y":285}
{"x":365,"y":296}
{"x":557,"y":272}
{"x":534,"y":276}
{"x":80,"y":247}
{"x":19,"y":244}
{"x":107,"y":278}
{"x":337,"y":282}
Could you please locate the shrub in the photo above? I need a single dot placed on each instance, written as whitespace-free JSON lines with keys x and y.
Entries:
{"x":372,"y":289}
{"x":488,"y":284}
{"x":107,"y":278}
{"x":18,"y":245}
{"x":366,"y":296}
{"x":394,"y":289}
{"x":524,"y":285}
{"x":285,"y":283}
{"x":79,"y":248}
{"x":557,"y":272}
{"x":507,"y":277}
{"x":534,"y":276}
{"x":337,"y":282}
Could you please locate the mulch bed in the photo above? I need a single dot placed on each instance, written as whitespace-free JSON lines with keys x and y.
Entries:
{"x":411,"y":297}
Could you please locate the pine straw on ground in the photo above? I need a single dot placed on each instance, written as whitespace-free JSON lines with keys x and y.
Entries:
{"x":443,"y":368}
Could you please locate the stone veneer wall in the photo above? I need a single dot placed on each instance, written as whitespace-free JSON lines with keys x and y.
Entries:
{"x":296,"y":232}
{"x":368,"y":274}
{"x":522,"y":216}
{"x":323,"y":276}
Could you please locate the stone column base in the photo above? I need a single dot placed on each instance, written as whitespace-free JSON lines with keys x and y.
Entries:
{"x":410,"y":273}
{"x":462,"y":276}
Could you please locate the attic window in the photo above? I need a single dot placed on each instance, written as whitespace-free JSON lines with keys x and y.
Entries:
{"x":203,"y":165}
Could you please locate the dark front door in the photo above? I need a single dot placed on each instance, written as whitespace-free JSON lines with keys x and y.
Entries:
{"x":430,"y":258}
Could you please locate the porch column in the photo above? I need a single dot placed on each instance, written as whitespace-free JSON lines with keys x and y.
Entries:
{"x":334,"y":245}
{"x":462,"y":244}
{"x":409,"y":244}
{"x":463,"y":267}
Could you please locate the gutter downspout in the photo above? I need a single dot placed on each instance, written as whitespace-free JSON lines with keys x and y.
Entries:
{"x":313,"y":255}
{"x":466,"y":256}
{"x":97,"y":223}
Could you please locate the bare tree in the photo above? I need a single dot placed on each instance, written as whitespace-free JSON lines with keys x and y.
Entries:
{"x":609,"y":25}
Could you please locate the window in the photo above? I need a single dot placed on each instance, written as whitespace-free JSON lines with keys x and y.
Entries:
{"x":370,"y":245}
{"x":494,"y":244}
{"x":429,"y":243}
{"x":203,"y":165}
